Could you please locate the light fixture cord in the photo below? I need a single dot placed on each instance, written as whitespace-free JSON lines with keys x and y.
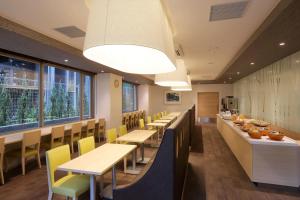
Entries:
{"x":106,"y":20}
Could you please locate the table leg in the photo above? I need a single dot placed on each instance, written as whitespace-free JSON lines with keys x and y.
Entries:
{"x":92,"y":187}
{"x":114,"y":178}
{"x":142,"y":151}
{"x":133,"y":160}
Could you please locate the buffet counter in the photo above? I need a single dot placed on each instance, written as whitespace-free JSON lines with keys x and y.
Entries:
{"x":264,"y":160}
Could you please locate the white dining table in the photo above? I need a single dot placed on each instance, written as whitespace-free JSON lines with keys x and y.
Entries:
{"x":138,"y":137}
{"x":97,"y":162}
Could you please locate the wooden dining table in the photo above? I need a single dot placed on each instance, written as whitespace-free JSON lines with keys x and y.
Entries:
{"x":97,"y":162}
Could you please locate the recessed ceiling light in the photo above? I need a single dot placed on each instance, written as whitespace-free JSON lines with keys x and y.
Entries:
{"x":102,"y":71}
{"x":238,"y":73}
{"x":66,"y":60}
{"x":252,"y":63}
{"x":297,"y":61}
{"x":23,"y":64}
{"x":229,"y":78}
{"x":281,"y":43}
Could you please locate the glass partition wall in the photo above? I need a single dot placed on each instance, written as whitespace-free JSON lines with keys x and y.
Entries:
{"x":25,"y":102}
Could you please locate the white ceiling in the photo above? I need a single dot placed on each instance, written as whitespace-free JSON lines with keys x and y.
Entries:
{"x":208,"y":46}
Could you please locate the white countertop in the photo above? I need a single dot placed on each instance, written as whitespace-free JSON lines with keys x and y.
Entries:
{"x":286,"y":141}
{"x":18,"y":136}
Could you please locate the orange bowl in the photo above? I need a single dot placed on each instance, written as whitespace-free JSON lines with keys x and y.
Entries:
{"x":277,"y":137}
{"x":254,"y":135}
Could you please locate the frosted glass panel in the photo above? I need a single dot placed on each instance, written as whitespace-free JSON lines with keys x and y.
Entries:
{"x":273,"y":93}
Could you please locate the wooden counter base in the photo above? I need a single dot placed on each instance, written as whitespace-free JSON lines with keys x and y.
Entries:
{"x":272,"y":163}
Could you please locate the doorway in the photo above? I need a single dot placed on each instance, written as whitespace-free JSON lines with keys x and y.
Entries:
{"x":208,"y":106}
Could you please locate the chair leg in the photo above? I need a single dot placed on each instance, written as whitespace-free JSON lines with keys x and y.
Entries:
{"x":72,"y":147}
{"x":39,"y":160}
{"x":125,"y":164}
{"x":2,"y":177}
{"x":50,"y":195}
{"x":23,"y":166}
{"x":99,"y":139}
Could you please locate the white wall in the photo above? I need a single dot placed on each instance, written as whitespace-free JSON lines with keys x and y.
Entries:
{"x":156,"y":97}
{"x":108,"y":99}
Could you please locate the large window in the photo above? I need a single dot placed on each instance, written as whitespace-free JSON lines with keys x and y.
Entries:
{"x":66,"y":94}
{"x":19,"y":94}
{"x":87,"y":84}
{"x":129,"y":99}
{"x":61,"y":95}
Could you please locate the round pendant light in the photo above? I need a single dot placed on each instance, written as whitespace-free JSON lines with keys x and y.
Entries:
{"x":175,"y":78}
{"x":184,"y":88}
{"x":133,"y":36}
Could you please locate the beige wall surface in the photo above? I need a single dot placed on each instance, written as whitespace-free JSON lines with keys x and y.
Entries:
{"x":273,"y":93}
{"x":156,"y":97}
{"x":108,"y":99}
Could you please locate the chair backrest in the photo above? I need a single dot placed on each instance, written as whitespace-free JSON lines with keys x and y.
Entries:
{"x":123,"y":130}
{"x":86,"y":145}
{"x":2,"y":149}
{"x":57,"y":132}
{"x":142,"y":124}
{"x":102,"y":124}
{"x":32,"y":138}
{"x":111,"y":135}
{"x":76,"y":129}
{"x":54,"y":158}
{"x":154,"y":117}
{"x":149,"y":119}
{"x":91,"y":125}
{"x":162,"y":114}
{"x":158,"y":116}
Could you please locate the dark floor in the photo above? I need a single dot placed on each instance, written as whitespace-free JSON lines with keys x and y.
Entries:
{"x":213,"y":173}
{"x":216,"y":174}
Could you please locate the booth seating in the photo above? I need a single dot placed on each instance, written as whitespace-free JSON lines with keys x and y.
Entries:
{"x":163,"y":178}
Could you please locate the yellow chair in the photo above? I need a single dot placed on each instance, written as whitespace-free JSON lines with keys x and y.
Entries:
{"x":142,"y":124}
{"x":149,"y":119}
{"x":111,"y":135}
{"x":70,"y":185}
{"x":154,"y":117}
{"x":86,"y":145}
{"x":158,"y":116}
{"x":2,"y":149}
{"x":101,"y":129}
{"x":75,"y":135}
{"x":90,"y":130}
{"x":122,"y":130}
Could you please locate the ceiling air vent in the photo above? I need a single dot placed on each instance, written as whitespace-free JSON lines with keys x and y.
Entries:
{"x":227,"y":11}
{"x":71,"y":31}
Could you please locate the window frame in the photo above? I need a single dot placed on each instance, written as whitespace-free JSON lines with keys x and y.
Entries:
{"x":41,"y":76}
{"x":136,"y":91}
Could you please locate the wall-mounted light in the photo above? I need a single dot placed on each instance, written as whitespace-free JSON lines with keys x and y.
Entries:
{"x":281,"y":43}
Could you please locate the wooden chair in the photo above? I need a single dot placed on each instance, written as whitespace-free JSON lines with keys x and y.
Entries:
{"x":57,"y":136}
{"x":75,"y":135}
{"x":101,"y":129}
{"x":136,"y":119}
{"x":127,"y":121}
{"x":90,"y":130}
{"x":2,"y":149}
{"x":70,"y":185}
{"x":30,"y":148}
